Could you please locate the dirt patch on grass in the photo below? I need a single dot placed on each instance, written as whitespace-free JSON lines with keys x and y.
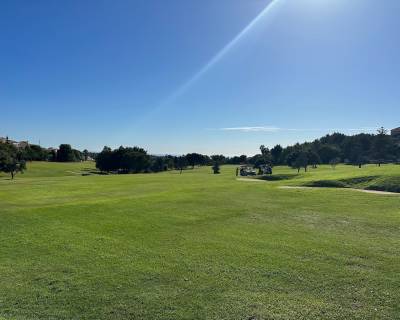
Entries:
{"x":378,"y":192}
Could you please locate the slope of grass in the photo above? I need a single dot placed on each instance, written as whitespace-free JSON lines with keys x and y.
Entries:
{"x":371,"y":177}
{"x":196,"y":246}
{"x":391,"y":184}
{"x":54,"y":169}
{"x":378,"y":183}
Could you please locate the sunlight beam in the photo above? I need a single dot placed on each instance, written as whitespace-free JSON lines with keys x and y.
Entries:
{"x":216,"y":58}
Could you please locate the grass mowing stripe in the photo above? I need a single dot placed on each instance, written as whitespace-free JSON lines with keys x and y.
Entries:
{"x":196,"y":246}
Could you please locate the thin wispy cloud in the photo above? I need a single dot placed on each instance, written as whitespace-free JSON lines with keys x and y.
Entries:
{"x":252,"y":129}
{"x":273,"y":129}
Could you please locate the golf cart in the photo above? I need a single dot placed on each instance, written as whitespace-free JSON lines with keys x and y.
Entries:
{"x":247,"y":171}
{"x":265,"y":169}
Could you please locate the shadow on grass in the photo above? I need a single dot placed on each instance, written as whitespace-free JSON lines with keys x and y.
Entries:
{"x":278,"y":177}
{"x":342,"y":183}
{"x":91,"y":171}
{"x":390,"y":184}
{"x":358,"y":180}
{"x":377,"y":183}
{"x":326,"y":184}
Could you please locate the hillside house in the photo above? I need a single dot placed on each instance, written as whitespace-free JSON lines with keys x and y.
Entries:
{"x":18,"y":144}
{"x":22,"y":144}
{"x":395,"y":133}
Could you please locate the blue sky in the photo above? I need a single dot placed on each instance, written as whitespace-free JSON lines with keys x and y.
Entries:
{"x":169,"y":76}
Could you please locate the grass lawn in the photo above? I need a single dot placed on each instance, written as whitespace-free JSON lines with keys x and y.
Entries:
{"x":197,"y":245}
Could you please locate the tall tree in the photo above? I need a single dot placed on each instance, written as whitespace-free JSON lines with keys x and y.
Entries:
{"x":216,"y":168}
{"x":196,"y":159}
{"x":301,"y":161}
{"x":334,"y":162}
{"x":242,"y":159}
{"x":218,"y":158}
{"x":276,"y":153}
{"x":104,"y":160}
{"x":298,"y":159}
{"x":313,"y":158}
{"x":85,"y":154}
{"x":266,"y":155}
{"x":381,"y":146}
{"x":123,"y":160}
{"x":65,"y":153}
{"x":328,"y":152}
{"x":181,"y":163}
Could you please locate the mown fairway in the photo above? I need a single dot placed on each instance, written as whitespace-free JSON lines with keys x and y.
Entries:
{"x":196,"y":246}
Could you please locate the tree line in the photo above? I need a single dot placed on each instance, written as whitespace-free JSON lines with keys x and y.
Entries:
{"x":331,"y":149}
{"x":335,"y":148}
{"x":13,"y":159}
{"x":136,"y":160}
{"x":64,"y":153}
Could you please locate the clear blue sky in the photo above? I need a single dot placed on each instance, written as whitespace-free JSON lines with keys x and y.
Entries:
{"x":152,"y":73}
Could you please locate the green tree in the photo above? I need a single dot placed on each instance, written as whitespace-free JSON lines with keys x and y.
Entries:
{"x":11,"y":160}
{"x":85,"y":154}
{"x":104,"y":160}
{"x":158,"y":164}
{"x":34,"y":152}
{"x":334,"y":162}
{"x":242,"y":159}
{"x":180,"y":163}
{"x":298,"y":160}
{"x":218,"y":158}
{"x":196,"y":159}
{"x":216,"y":168}
{"x":381,"y":146}
{"x":276,"y":153}
{"x":313,"y":158}
{"x":65,"y":153}
{"x":266,"y":155}
{"x":123,"y":160}
{"x":257,"y":161}
{"x":77,"y":155}
{"x":328,"y":152}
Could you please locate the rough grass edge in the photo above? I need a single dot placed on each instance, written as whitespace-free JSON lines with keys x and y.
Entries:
{"x":388,"y":184}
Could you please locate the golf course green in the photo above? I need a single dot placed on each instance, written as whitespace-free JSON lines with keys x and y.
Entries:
{"x":79,"y":245}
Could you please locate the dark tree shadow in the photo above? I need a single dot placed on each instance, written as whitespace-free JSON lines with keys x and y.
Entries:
{"x":278,"y":177}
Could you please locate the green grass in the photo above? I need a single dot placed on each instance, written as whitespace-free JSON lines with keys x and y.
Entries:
{"x":371,"y":177}
{"x":197,"y":246}
{"x":54,"y":169}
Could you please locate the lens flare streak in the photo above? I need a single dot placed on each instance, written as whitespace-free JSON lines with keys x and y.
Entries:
{"x":222,"y":52}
